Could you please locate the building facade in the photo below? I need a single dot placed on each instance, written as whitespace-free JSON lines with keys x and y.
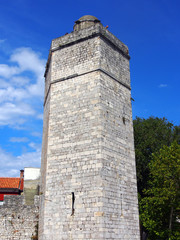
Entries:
{"x":88,"y":175}
{"x":11,"y":186}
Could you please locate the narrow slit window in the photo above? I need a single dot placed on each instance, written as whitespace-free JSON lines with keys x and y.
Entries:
{"x":73,"y":200}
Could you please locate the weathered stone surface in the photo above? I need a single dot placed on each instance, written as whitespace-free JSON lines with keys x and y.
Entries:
{"x":85,"y":22}
{"x":88,"y":149}
{"x":17,"y":220}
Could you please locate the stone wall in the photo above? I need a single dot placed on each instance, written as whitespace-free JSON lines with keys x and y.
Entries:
{"x":118,"y":173}
{"x":17,"y":220}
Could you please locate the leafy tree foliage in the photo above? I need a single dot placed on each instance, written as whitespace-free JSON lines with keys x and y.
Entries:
{"x":160,"y":208}
{"x":149,"y":136}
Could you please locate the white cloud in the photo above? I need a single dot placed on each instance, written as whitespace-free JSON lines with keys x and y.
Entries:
{"x":8,"y":71}
{"x":19,"y":94}
{"x":4,"y":83}
{"x":15,"y":114}
{"x":11,"y":173}
{"x":18,"y":139}
{"x":12,"y":94}
{"x":20,"y":81}
{"x":162,"y":85}
{"x":28,"y":60}
{"x":10,"y":165}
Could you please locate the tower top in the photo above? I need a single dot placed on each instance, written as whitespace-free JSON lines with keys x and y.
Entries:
{"x":85,"y":22}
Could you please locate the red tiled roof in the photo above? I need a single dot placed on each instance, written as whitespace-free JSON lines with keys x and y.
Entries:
{"x":11,"y":183}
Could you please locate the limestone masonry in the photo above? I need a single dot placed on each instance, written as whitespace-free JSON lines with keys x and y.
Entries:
{"x":19,"y":221}
{"x":88,"y":177}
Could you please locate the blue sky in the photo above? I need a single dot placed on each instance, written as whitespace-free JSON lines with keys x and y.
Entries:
{"x":150,"y":28}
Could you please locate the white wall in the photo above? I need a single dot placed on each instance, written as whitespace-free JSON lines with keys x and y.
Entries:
{"x":31,"y":173}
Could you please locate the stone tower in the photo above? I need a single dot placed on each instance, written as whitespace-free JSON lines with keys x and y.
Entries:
{"x":88,"y":185}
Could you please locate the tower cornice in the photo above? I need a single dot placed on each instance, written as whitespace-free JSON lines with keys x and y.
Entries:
{"x":82,"y":35}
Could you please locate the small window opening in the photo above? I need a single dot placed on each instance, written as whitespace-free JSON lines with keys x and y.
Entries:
{"x":73,"y":200}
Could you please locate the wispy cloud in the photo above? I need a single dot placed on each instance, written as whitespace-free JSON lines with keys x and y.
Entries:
{"x":8,"y":71}
{"x":162,"y":85}
{"x":34,"y":146}
{"x":14,"y":114}
{"x":40,"y":116}
{"x":36,"y":134}
{"x":20,"y":81}
{"x":18,"y":139}
{"x":2,"y":40}
{"x":10,"y":165}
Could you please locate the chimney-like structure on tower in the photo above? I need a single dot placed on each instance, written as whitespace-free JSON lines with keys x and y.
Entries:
{"x":88,"y":175}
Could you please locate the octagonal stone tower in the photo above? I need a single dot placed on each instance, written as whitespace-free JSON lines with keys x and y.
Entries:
{"x":88,"y":175}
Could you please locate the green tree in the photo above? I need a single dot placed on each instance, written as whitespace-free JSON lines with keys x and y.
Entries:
{"x":149,"y":136}
{"x":160,"y":208}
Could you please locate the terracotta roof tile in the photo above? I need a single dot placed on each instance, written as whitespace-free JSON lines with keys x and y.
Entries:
{"x":11,"y":183}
